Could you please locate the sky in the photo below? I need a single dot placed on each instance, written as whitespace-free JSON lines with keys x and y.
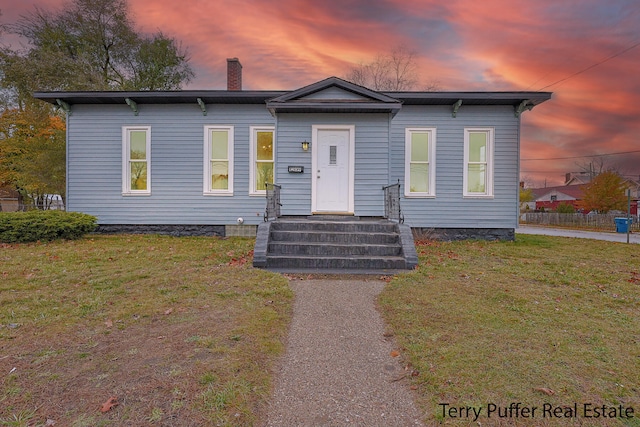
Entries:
{"x":587,"y":52}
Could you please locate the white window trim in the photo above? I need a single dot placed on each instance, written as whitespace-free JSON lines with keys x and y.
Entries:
{"x":206,"y":189}
{"x":253,"y":159}
{"x":126,"y":170}
{"x":432,"y":163}
{"x":489,"y":172}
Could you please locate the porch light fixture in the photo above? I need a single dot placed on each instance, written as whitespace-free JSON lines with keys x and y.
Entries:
{"x":305,"y":145}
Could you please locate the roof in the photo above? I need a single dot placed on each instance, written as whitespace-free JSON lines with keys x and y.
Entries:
{"x":349,"y":97}
{"x":471,"y":98}
{"x":360,"y":99}
{"x":574,"y":191}
{"x":160,"y":97}
{"x":7,"y":193}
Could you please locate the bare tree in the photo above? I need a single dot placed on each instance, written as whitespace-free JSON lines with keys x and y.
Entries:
{"x":596,"y":166}
{"x":432,"y":86}
{"x":393,"y":71}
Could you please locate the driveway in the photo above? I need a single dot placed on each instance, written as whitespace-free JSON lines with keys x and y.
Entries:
{"x":597,"y":235}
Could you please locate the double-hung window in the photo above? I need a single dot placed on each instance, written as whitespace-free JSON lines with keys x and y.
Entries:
{"x":478,"y":162}
{"x":420,"y":167}
{"x":136,"y":160}
{"x":218,"y":160}
{"x":262,"y":155}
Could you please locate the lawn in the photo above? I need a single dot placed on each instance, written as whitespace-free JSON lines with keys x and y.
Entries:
{"x":550,"y":323}
{"x":179,"y":331}
{"x":184,"y":332}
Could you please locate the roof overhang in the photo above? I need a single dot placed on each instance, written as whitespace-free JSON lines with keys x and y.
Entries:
{"x":471,"y":98}
{"x":159,"y":97}
{"x":520,"y":101}
{"x":330,"y":95}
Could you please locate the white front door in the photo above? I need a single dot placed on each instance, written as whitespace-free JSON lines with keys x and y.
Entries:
{"x":333,"y":164}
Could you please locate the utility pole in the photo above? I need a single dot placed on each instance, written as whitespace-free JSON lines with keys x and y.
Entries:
{"x":628,"y":212}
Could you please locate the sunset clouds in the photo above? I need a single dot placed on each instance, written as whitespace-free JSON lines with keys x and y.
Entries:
{"x":492,"y":45}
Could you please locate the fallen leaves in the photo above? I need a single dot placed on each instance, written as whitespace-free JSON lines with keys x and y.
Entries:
{"x":239,"y":261}
{"x":395,"y":353}
{"x":545,"y":390}
{"x":111,"y":403}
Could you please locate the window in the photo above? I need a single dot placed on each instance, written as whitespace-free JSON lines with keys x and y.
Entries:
{"x":136,"y":160}
{"x":420,"y":171}
{"x":218,"y":160}
{"x":478,"y":162}
{"x":262,"y":150}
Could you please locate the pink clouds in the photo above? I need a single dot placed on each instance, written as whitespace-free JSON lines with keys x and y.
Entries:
{"x":464,"y":45}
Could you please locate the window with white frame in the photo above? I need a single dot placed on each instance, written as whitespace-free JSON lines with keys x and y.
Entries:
{"x":218,"y":160}
{"x":478,"y":162}
{"x":262,"y":155}
{"x":136,"y":160}
{"x":420,"y":171}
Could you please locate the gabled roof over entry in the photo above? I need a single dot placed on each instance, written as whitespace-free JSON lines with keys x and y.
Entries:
{"x":334,"y":95}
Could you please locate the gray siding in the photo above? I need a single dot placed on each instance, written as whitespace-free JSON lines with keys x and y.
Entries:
{"x":95,"y":164}
{"x":371,"y":160}
{"x":449,"y":209}
{"x":94,"y":171}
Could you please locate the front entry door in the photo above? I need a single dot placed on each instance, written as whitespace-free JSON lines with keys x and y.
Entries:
{"x":332,"y":187}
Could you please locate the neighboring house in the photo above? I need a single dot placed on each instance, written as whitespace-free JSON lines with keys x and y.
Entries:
{"x":575,"y":178}
{"x":199,"y":159}
{"x":53,"y":202}
{"x":634,"y":187}
{"x":10,"y":200}
{"x":549,"y":198}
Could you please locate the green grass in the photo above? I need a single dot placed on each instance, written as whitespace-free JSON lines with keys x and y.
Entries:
{"x":502,"y":322}
{"x":138,"y":317}
{"x":183,"y":331}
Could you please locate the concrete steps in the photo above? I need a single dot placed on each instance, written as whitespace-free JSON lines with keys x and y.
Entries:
{"x":304,"y":244}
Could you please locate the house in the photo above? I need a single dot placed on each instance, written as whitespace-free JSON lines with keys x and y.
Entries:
{"x":576,"y":178}
{"x":10,"y":200}
{"x":196,"y":161}
{"x":548,"y":198}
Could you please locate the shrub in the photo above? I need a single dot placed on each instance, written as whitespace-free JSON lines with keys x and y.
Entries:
{"x":20,"y":227}
{"x":565,"y":208}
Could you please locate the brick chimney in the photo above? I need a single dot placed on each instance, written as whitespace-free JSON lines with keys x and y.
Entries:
{"x":234,"y":74}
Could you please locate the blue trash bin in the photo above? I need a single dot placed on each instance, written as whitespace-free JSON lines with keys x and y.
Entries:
{"x":622,"y":225}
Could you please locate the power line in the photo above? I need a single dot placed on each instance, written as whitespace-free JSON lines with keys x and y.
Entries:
{"x":586,"y":155}
{"x":591,"y":66}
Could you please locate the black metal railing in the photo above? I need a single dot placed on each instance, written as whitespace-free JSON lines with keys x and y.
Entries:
{"x":273,"y":201}
{"x":392,"y":202}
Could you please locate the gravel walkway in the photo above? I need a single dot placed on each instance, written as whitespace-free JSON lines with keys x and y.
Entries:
{"x":338,"y":369}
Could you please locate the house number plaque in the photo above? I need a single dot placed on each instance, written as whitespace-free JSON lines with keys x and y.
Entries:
{"x":295,"y":169}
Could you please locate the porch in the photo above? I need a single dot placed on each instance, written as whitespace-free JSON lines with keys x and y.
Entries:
{"x":335,"y":243}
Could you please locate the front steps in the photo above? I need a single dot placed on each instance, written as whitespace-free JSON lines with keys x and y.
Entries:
{"x":334,"y":244}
